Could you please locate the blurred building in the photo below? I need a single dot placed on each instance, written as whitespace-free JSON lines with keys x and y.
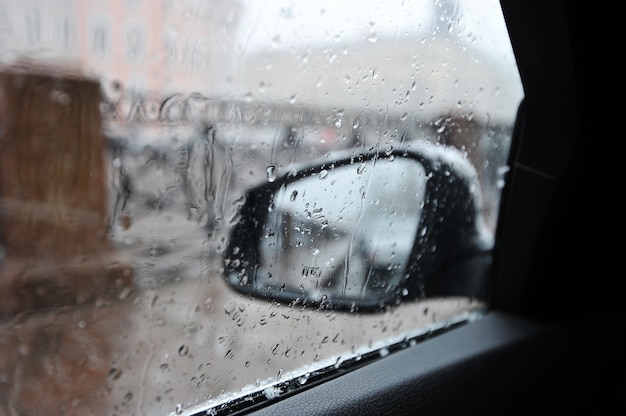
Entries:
{"x":166,"y":46}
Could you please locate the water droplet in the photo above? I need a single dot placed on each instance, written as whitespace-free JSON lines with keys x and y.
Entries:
{"x":229,"y":308}
{"x":125,"y":293}
{"x":271,"y":173}
{"x":272,"y":392}
{"x":323,"y":174}
{"x":293,"y":196}
{"x":114,"y":374}
{"x":239,"y":201}
{"x":183,"y":350}
{"x":60,"y":97}
{"x":179,"y":408}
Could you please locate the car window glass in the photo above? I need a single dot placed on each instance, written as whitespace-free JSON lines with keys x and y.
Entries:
{"x":133,"y":135}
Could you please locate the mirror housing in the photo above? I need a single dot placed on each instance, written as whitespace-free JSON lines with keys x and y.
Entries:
{"x":325,"y":235}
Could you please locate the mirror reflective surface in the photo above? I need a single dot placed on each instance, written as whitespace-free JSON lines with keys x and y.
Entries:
{"x":346,"y":232}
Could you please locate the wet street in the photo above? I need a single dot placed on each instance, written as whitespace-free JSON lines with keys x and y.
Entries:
{"x":181,"y":338}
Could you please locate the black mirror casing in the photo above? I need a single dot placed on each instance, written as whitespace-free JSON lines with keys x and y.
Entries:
{"x":451,"y":254}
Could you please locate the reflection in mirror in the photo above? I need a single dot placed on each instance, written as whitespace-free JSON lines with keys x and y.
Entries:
{"x":346,"y":232}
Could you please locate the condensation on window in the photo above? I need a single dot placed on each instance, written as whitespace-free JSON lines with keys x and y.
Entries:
{"x":130,"y":134}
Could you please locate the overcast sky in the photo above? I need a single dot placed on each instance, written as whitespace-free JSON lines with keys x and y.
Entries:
{"x":285,"y":23}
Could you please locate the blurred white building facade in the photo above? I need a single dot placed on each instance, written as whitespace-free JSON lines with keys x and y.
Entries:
{"x":160,"y":46}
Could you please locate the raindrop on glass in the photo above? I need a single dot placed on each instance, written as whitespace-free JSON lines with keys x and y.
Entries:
{"x":271,"y":173}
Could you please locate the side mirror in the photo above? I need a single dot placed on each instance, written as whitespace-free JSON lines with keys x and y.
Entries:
{"x":363,"y":232}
